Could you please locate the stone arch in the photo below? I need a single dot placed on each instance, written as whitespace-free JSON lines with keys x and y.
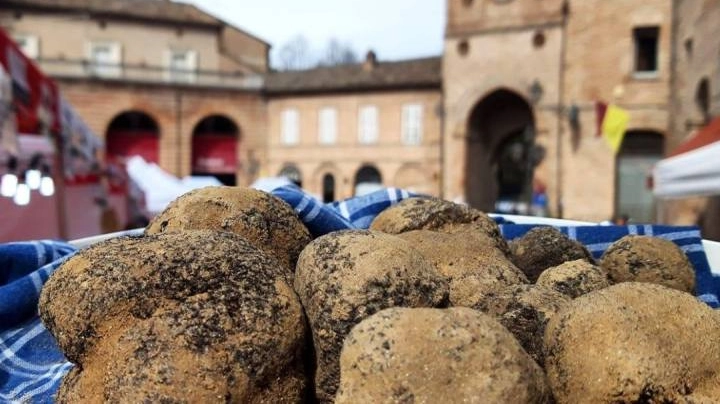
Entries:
{"x":499,"y":152}
{"x":322,"y":185}
{"x":130,"y":133}
{"x":215,"y":143}
{"x":412,"y":177}
{"x":368,"y":178}
{"x":293,"y":173}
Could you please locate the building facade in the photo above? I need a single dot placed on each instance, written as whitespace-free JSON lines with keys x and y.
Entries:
{"x":507,"y":118}
{"x":156,"y":78}
{"x":349,"y":129}
{"x":522,"y":78}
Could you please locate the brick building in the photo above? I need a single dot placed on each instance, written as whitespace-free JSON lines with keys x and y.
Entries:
{"x":518,"y":82}
{"x":339,"y":129}
{"x":156,"y":78}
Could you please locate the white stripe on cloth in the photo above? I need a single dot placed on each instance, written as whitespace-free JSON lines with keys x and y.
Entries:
{"x":572,"y":233}
{"x":344,"y":210}
{"x":632,"y":229}
{"x":692,"y":248}
{"x":10,"y":352}
{"x":303,"y":203}
{"x":36,"y":281}
{"x":392,"y":195}
{"x":313,"y":213}
{"x":648,"y":229}
{"x":39,"y":253}
{"x":56,"y":373}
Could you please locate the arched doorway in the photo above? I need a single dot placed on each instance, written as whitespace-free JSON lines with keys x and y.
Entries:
{"x":639,"y":152}
{"x":291,"y":172}
{"x":214,"y":148}
{"x":367,"y":180}
{"x":132,"y":133}
{"x":328,"y":188}
{"x":500,"y":153}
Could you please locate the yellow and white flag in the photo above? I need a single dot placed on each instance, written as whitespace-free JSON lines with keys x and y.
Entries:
{"x":614,"y":125}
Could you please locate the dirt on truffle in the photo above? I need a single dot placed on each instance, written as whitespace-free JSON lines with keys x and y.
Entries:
{"x":429,"y":213}
{"x":574,"y":278}
{"x":634,"y":343}
{"x":525,"y":311}
{"x":199,"y":316}
{"x":545,"y":247}
{"x":649,"y":259}
{"x":469,"y":260}
{"x":455,"y":355}
{"x":266,"y":221}
{"x":346,"y":276}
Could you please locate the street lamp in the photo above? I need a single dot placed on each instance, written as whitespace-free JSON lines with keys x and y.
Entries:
{"x":9,"y":182}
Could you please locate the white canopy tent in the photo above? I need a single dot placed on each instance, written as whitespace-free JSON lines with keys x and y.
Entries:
{"x":693,"y":169}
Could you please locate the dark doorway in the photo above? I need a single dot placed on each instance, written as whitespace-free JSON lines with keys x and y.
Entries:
{"x":291,"y":172}
{"x":501,"y":154}
{"x":328,"y":188}
{"x":132,"y":133}
{"x":639,"y":152}
{"x":367,"y":180}
{"x":214,"y":149}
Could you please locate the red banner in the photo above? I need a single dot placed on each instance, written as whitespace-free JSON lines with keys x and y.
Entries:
{"x":35,"y":97}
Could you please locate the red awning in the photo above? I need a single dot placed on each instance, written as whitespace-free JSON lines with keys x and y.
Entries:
{"x":214,"y":154}
{"x":35,"y":96}
{"x":705,"y":136}
{"x":121,"y":145}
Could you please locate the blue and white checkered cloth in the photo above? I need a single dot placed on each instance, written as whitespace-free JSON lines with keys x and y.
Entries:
{"x":31,"y":365}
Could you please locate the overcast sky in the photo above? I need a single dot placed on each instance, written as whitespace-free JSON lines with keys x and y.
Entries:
{"x":394,"y":29}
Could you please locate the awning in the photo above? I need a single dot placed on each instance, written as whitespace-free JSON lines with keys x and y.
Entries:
{"x":214,"y":154}
{"x":693,"y":168}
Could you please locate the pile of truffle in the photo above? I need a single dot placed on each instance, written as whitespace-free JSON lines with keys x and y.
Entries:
{"x":226,"y":298}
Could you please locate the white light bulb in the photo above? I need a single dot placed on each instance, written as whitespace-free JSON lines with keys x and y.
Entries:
{"x":32,"y":178}
{"x":22,"y":195}
{"x":8,"y":185}
{"x":47,"y":186}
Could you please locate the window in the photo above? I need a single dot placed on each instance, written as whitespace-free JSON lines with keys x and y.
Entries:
{"x":290,"y":127}
{"x":182,"y":66}
{"x":105,"y":59}
{"x":327,"y":125}
{"x":412,"y":116}
{"x":368,"y":124}
{"x":29,"y":44}
{"x":646,"y":50}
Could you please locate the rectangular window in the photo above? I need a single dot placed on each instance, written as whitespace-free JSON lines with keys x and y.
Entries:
{"x":290,"y":127}
{"x":412,"y":117}
{"x":105,"y":59}
{"x":29,"y":44}
{"x":327,"y":125}
{"x":182,"y":66}
{"x":368,"y":124}
{"x":646,"y":50}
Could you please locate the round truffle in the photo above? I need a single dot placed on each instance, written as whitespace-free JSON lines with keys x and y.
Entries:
{"x":469,"y":261}
{"x":266,"y":221}
{"x":649,"y":259}
{"x":456,"y":355}
{"x":574,"y":278}
{"x":525,"y":311}
{"x":198,"y":316}
{"x":545,"y":247}
{"x":634,"y":343}
{"x":427,"y":214}
{"x":346,"y":276}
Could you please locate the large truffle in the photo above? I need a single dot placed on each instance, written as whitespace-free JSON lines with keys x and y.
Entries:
{"x":199,"y":316}
{"x":455,"y":355}
{"x":469,"y":260}
{"x":545,"y":247}
{"x":434,"y":214}
{"x":525,"y":311}
{"x":266,"y":221}
{"x":649,"y":259}
{"x":574,"y":278}
{"x":634,"y":343}
{"x":344,"y":277}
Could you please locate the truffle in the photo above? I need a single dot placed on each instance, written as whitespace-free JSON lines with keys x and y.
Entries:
{"x":545,"y":247}
{"x":649,"y":259}
{"x":574,"y":278}
{"x":199,"y":316}
{"x":266,"y":221}
{"x":346,"y":276}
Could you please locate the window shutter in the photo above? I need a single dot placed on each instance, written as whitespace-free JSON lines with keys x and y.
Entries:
{"x":290,"y":127}
{"x":327,"y":119}
{"x":368,"y":125}
{"x":412,"y":116}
